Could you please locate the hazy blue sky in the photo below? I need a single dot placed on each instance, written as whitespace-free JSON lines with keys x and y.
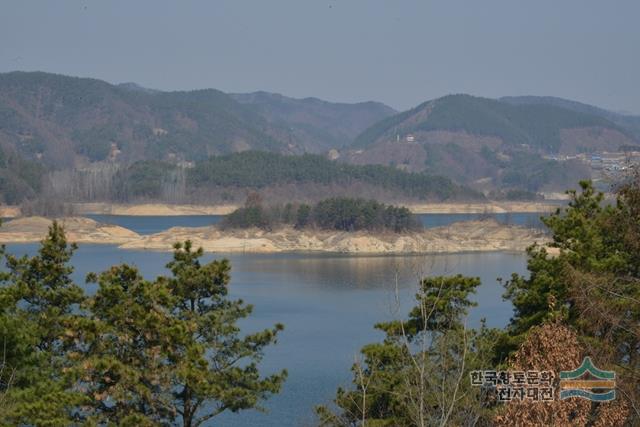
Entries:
{"x":401,"y":52}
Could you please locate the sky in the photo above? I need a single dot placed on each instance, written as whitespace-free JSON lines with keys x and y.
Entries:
{"x":400,"y":52}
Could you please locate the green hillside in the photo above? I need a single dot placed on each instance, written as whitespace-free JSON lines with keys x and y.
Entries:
{"x":235,"y":174}
{"x":19,"y":179}
{"x":537,"y":125}
{"x":631,"y":123}
{"x":259,"y":170}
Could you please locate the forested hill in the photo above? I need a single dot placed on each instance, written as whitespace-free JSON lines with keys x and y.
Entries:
{"x":317,"y":124}
{"x":281,"y":178}
{"x":494,"y":145}
{"x":535,"y":124}
{"x":19,"y":179}
{"x":625,"y":121}
{"x":64,"y":121}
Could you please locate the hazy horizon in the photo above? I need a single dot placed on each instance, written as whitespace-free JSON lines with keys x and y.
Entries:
{"x":398,"y":54}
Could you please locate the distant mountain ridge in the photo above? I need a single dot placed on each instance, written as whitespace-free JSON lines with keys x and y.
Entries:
{"x":317,"y":123}
{"x":630,"y":122}
{"x":538,"y":124}
{"x":494,"y":144}
{"x":64,"y":121}
{"x":136,"y":87}
{"x":67,"y":121}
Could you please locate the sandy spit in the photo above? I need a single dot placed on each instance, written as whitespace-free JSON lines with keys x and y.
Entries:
{"x":478,"y":208}
{"x":80,"y":230}
{"x":151,"y":209}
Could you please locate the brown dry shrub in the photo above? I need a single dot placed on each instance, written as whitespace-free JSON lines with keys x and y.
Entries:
{"x":554,"y":347}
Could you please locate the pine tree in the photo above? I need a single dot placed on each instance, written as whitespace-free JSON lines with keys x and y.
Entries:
{"x":38,"y":303}
{"x":138,"y":352}
{"x":170,"y":350}
{"x":419,"y":374}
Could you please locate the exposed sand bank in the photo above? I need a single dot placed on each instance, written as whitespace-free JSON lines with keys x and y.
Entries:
{"x":470,"y":236}
{"x":7,"y":211}
{"x":151,"y":209}
{"x":478,"y":208}
{"x":80,"y":230}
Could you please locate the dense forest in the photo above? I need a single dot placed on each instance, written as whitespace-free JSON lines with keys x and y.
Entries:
{"x":20,"y":179}
{"x":339,"y":214}
{"x":259,"y":169}
{"x":228,"y":179}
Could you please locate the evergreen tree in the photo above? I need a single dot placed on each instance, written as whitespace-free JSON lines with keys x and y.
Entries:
{"x":419,"y":374}
{"x":218,"y":369}
{"x":170,"y":350}
{"x":591,"y":284}
{"x":38,"y":303}
{"x":138,"y":352}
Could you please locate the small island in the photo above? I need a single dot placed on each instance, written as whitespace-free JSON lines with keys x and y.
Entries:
{"x":340,"y":225}
{"x":336,"y":225}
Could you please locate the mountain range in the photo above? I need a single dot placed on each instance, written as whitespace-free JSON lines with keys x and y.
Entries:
{"x":67,"y":121}
{"x":51,"y":122}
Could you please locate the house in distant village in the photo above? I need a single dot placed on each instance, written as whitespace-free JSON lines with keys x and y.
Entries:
{"x":407,"y":138}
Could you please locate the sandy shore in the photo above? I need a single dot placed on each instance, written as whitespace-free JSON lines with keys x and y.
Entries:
{"x":478,"y":208}
{"x":9,"y":211}
{"x":151,"y":209}
{"x":80,"y":230}
{"x":470,"y":236}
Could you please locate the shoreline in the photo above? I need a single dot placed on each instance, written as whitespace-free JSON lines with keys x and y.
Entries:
{"x":467,"y":236}
{"x":164,"y":209}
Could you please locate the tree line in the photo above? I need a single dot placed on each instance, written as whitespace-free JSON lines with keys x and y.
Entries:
{"x":254,"y":169}
{"x":223,"y":179}
{"x":340,"y":214}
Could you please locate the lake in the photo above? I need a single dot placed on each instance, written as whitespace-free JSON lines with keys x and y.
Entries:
{"x":328,"y":304}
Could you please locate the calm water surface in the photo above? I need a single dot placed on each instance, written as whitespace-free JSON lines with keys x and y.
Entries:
{"x":328,"y":304}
